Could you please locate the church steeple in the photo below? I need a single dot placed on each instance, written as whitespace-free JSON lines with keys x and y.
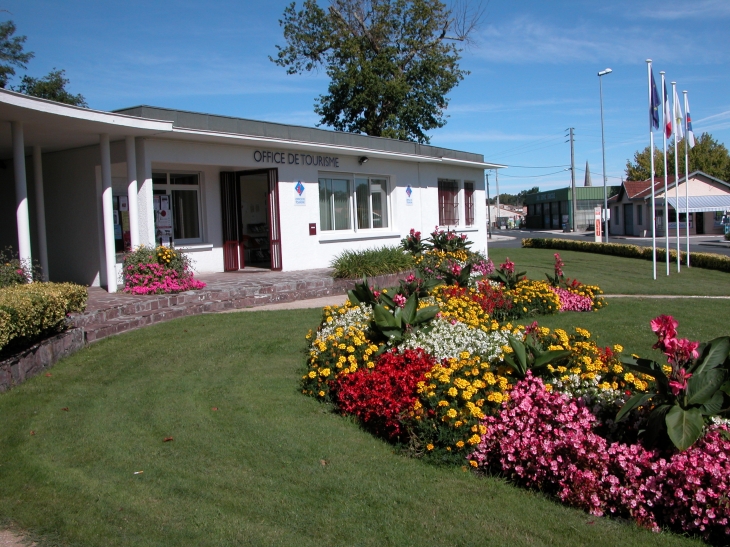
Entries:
{"x":588,"y":176}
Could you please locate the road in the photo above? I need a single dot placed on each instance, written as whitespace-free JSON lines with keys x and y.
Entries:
{"x":511,"y":239}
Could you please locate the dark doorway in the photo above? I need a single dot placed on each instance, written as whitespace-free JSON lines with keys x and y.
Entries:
{"x":629,"y":219}
{"x":699,"y":223}
{"x":250,"y":214}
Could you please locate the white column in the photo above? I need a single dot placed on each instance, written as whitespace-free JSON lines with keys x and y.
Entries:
{"x":108,"y":214}
{"x":21,"y":193}
{"x":40,"y":210}
{"x":145,"y":194}
{"x":132,"y":192}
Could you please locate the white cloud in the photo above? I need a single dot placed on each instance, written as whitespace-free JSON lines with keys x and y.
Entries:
{"x":689,"y":10}
{"x":524,"y":40}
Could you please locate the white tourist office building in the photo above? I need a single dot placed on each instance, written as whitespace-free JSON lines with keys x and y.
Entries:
{"x":78,"y":187}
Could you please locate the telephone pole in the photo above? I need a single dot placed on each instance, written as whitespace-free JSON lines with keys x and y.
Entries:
{"x":489,"y":210}
{"x":496,"y":181}
{"x":574,"y":206}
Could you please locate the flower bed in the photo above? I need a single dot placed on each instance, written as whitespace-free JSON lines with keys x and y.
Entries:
{"x":443,"y":371}
{"x":158,"y":270}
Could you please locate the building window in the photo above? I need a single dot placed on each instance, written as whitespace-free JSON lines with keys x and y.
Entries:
{"x":639,"y":215}
{"x":448,"y":195}
{"x":615,"y":215}
{"x":371,"y":203}
{"x":367,"y":195}
{"x":182,"y":191}
{"x":469,"y":215}
{"x":334,"y":204}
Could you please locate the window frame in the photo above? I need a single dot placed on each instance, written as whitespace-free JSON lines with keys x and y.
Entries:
{"x":353,"y":220}
{"x":169,"y":187}
{"x":470,"y":212}
{"x":453,"y":192}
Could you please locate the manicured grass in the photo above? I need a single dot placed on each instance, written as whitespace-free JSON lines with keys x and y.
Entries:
{"x":625,"y":321}
{"x":269,"y":467}
{"x":617,"y":275}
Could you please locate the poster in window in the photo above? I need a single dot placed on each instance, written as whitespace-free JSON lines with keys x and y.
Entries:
{"x":123,"y":204}
{"x":164,"y":218}
{"x":164,"y":203}
{"x":116,"y":218}
{"x":156,"y":203}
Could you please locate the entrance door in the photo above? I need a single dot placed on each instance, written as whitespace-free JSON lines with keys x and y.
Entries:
{"x":629,"y":219}
{"x":699,"y":223}
{"x":250,"y":214}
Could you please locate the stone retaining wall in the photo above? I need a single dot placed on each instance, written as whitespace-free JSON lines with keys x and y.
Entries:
{"x":41,"y":356}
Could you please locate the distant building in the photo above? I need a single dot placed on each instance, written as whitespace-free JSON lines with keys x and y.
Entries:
{"x":709,"y":199}
{"x":551,"y":209}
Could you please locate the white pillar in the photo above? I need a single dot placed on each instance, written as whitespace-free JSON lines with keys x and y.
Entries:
{"x":132,"y":192}
{"x":21,"y":193}
{"x":108,"y":214}
{"x":145,"y":194}
{"x":40,"y":210}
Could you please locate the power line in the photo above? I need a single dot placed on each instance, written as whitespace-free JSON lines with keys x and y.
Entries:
{"x":533,"y":176}
{"x":538,"y":166}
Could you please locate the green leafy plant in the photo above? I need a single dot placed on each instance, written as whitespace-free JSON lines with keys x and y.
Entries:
{"x":506,"y":275}
{"x":691,"y":388}
{"x":14,"y":271}
{"x":528,"y":354}
{"x":371,"y":262}
{"x":395,"y":323}
{"x":448,"y":241}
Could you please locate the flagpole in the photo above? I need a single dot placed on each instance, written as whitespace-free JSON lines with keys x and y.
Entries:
{"x":664,"y":133}
{"x":651,"y":155}
{"x":686,"y":168}
{"x":676,"y":129}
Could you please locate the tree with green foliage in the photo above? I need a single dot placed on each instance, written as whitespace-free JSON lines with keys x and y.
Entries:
{"x":11,"y":52}
{"x":52,"y":87}
{"x":391,"y":63}
{"x":708,"y":156}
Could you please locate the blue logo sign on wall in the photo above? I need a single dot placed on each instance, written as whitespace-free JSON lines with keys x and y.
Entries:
{"x":409,"y":193}
{"x":299,"y":199}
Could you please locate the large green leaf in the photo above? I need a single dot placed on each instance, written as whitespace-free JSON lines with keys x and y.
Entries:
{"x":426,"y":314}
{"x":549,"y":357}
{"x":352,"y":297}
{"x":714,"y":353}
{"x":726,"y":387}
{"x":409,"y":310}
{"x":714,"y":405}
{"x":702,"y":386}
{"x":684,"y":427}
{"x":519,"y":352}
{"x":383,"y":318}
{"x":640,"y":399}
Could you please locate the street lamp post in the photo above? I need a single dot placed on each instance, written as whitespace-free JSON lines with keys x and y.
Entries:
{"x":603,"y":148}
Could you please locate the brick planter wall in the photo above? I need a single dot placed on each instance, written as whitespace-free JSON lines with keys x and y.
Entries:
{"x":18,"y":368}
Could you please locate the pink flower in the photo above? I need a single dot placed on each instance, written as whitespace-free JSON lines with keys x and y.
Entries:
{"x":508,"y":266}
{"x":399,"y":300}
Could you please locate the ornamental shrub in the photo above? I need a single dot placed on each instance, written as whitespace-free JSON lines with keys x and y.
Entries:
{"x":158,"y":270}
{"x":31,"y":311}
{"x":709,"y":261}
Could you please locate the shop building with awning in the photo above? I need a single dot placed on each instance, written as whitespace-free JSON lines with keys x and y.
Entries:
{"x":79,"y":187}
{"x":702,"y":202}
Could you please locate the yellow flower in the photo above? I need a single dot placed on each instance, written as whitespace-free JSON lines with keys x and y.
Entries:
{"x":460,"y":444}
{"x":429,"y":446}
{"x":451,"y":413}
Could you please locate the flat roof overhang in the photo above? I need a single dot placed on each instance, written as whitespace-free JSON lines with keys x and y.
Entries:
{"x":55,"y":126}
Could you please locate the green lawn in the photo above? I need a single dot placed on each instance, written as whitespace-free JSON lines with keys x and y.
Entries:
{"x":617,"y":275}
{"x":270,"y":466}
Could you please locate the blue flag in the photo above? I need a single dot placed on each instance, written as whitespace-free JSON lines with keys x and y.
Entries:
{"x":654,"y":106}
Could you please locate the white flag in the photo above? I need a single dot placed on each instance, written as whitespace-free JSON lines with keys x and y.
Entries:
{"x":678,"y":119}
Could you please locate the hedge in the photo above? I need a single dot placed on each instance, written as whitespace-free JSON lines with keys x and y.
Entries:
{"x":33,"y":310}
{"x":708,"y":261}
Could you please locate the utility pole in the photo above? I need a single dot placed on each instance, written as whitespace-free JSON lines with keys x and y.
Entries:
{"x":574,"y":207}
{"x":496,"y":181}
{"x":489,"y":210}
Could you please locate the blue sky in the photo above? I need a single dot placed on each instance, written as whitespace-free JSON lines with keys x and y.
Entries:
{"x":533,"y":71}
